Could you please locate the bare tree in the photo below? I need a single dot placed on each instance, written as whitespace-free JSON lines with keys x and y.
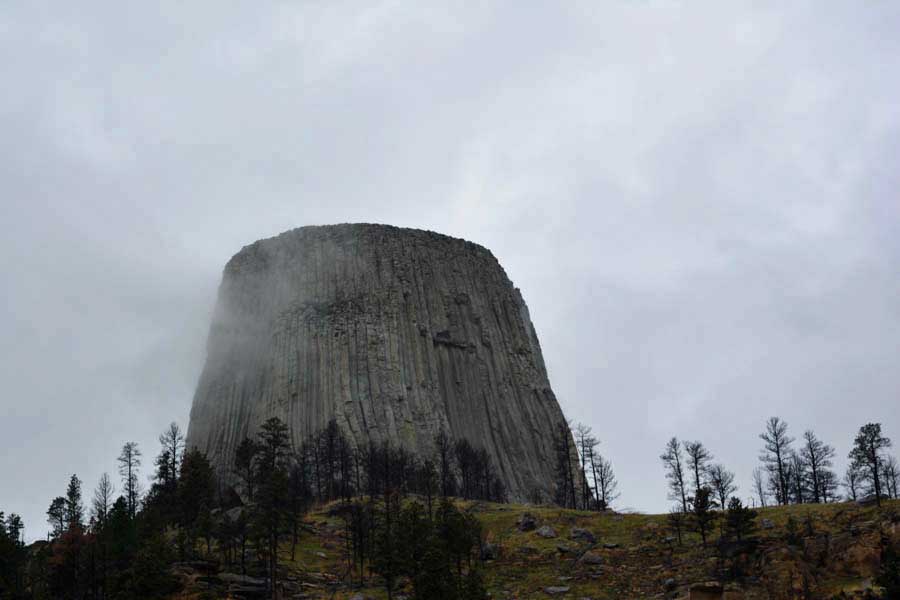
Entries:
{"x":797,"y":477}
{"x":817,"y":455}
{"x":775,"y":455}
{"x":583,"y":441}
{"x":759,"y":486}
{"x":851,"y":482}
{"x":722,"y":482}
{"x":129,"y":462}
{"x":607,"y":485}
{"x":172,"y":441}
{"x":890,"y":472}
{"x":698,"y":458}
{"x":674,"y":465}
{"x":103,"y":499}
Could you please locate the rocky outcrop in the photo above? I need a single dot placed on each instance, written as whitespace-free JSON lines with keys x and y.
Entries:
{"x":396,"y":333}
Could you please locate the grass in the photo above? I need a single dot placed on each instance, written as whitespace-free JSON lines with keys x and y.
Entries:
{"x":645,"y":555}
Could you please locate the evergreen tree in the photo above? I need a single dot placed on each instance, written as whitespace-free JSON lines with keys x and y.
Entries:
{"x":702,"y":513}
{"x":129,"y":464}
{"x":739,"y":520}
{"x":272,"y":491}
{"x":74,"y":507}
{"x":196,"y":495}
{"x":867,"y":456}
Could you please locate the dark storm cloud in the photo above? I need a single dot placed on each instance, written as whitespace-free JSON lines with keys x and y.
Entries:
{"x":697,"y":200}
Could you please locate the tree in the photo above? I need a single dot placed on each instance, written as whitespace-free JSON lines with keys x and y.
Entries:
{"x":172,"y":441}
{"x":698,"y":458}
{"x":244,"y":462}
{"x":674,"y":465}
{"x":851,"y":481}
{"x":676,"y":520}
{"x":103,"y":499}
{"x":759,"y":486}
{"x":866,"y":456}
{"x":890,"y":472}
{"x":565,"y":481}
{"x":74,"y":507}
{"x":739,"y":520}
{"x":129,"y":463}
{"x":817,"y":455}
{"x":444,"y":451}
{"x":196,"y":493}
{"x":585,"y":444}
{"x":722,"y":482}
{"x":387,"y":559}
{"x":797,"y":477}
{"x":56,"y":516}
{"x":775,"y":454}
{"x":272,"y":490}
{"x":702,"y":512}
{"x":607,"y":487}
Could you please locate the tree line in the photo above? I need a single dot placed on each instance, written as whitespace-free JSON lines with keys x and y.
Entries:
{"x":123,"y":543}
{"x":789,"y":473}
{"x":583,"y":478}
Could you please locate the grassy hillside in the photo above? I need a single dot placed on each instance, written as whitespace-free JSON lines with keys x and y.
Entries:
{"x":812,"y":551}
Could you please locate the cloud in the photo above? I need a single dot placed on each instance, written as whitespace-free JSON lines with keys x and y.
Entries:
{"x":698,"y":202}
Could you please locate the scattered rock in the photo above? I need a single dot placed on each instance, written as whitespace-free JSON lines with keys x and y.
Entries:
{"x":527,"y":522}
{"x":591,"y":558}
{"x":563,"y":549}
{"x":584,"y":535}
{"x":528,"y":550}
{"x":546,"y":532}
{"x":610,"y":546}
{"x":767,"y":524}
{"x":670,"y":584}
{"x":239,"y":579}
{"x":556,"y":589}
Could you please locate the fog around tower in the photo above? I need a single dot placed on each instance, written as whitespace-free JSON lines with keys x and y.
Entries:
{"x":698,"y":203}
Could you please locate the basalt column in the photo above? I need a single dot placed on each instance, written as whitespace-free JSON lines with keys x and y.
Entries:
{"x":396,"y":333}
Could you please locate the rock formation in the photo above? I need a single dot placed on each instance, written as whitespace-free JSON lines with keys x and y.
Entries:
{"x":396,"y":333}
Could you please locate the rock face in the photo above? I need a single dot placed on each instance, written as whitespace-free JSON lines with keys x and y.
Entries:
{"x":396,"y":333}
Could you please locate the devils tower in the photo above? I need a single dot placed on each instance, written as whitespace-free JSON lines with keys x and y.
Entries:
{"x":395,"y":333}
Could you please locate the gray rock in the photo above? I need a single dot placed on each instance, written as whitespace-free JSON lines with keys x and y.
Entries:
{"x":767,"y":524}
{"x":546,"y":532}
{"x":582,"y":534}
{"x":527,"y":522}
{"x":670,"y":584}
{"x":556,"y":589}
{"x":610,"y":546}
{"x":396,"y":333}
{"x":591,"y":558}
{"x":237,"y":578}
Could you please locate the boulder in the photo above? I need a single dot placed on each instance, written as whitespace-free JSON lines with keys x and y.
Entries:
{"x":527,"y":522}
{"x":591,"y":558}
{"x":554,"y":590}
{"x":546,"y":532}
{"x":583,"y":535}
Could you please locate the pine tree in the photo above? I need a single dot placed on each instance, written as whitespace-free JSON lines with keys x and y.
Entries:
{"x":867,"y":456}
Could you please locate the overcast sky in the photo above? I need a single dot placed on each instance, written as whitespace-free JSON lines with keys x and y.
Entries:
{"x":699,"y":201}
